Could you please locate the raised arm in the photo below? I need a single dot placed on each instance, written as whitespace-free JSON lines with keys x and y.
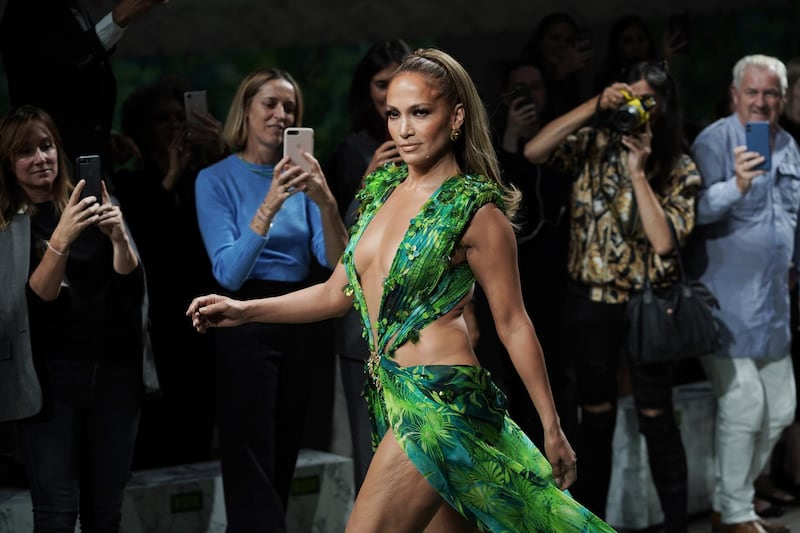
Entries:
{"x":47,"y":277}
{"x":492,"y":255}
{"x":538,"y":149}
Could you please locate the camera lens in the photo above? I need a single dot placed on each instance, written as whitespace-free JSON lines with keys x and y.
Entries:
{"x":626,"y":118}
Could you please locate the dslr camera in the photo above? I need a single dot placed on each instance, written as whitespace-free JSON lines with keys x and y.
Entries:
{"x":632,"y":114}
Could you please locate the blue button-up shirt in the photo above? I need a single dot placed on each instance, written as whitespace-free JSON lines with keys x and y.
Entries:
{"x":745,"y":243}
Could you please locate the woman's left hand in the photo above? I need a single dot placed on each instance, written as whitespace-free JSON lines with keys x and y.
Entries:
{"x":639,"y":148}
{"x":562,"y":459}
{"x":110,"y":219}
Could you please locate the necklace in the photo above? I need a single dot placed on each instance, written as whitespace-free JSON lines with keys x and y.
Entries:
{"x":262,"y":170}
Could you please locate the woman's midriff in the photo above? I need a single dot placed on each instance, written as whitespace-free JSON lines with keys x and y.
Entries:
{"x":443,"y":342}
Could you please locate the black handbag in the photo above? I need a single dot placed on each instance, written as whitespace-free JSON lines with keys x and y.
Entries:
{"x":672,"y":323}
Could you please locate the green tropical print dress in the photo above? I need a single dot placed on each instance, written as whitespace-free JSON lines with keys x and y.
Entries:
{"x":451,"y":421}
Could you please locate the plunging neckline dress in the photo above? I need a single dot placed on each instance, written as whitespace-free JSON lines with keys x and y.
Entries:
{"x":450,"y":420}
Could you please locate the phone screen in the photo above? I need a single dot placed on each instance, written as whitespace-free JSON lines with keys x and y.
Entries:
{"x":757,"y":140}
{"x":295,"y":140}
{"x":88,"y":168}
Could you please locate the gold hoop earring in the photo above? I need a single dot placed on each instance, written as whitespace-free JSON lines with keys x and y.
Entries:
{"x":455,"y":134}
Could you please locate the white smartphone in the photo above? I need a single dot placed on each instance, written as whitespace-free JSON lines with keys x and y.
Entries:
{"x":194,"y":102}
{"x":87,"y":167}
{"x":295,"y":140}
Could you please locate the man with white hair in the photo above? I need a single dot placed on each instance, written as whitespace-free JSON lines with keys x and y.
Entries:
{"x":746,"y":229}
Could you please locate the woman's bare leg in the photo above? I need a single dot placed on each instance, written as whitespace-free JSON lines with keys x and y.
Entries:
{"x":395,"y":497}
{"x":448,"y":520}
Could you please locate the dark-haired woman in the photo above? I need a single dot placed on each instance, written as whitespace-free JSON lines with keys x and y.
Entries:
{"x":366,"y":148}
{"x":554,"y":45}
{"x":628,"y":189}
{"x":630,"y":41}
{"x":85,"y":294}
{"x":368,"y":145}
{"x":157,"y":194}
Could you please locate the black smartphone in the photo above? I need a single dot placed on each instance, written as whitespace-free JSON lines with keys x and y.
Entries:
{"x":678,"y":31}
{"x":756,"y":136}
{"x":87,"y":167}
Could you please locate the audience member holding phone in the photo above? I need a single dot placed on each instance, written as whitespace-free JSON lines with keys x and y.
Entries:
{"x":564,"y":53}
{"x":157,"y":193}
{"x":630,"y":41}
{"x":745,"y":253}
{"x":542,"y":231}
{"x":84,"y":296}
{"x":263,"y":220}
{"x":366,"y":148}
{"x":368,"y":145}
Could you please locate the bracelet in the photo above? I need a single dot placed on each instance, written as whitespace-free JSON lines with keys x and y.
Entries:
{"x":54,"y":250}
{"x":270,"y":210}
{"x":265,"y":228}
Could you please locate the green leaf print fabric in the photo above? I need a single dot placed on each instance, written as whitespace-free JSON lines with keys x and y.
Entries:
{"x":451,"y":421}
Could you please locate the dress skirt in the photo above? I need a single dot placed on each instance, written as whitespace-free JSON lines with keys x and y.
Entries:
{"x":452,"y":423}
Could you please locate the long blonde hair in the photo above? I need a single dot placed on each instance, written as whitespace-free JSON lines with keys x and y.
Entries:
{"x":14,"y":128}
{"x":474,"y":150}
{"x":234,"y":132}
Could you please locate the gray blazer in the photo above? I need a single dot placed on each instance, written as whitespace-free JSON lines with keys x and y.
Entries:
{"x":20,"y":394}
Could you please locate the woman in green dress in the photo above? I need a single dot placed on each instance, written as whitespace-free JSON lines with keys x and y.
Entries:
{"x":447,"y":457}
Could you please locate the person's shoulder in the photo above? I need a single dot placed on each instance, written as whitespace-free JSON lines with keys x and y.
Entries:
{"x":218,"y":171}
{"x":784,"y":136}
{"x":475,"y":189}
{"x":385,"y":175}
{"x":719,"y":129}
{"x":476,"y":183}
{"x":222,"y":166}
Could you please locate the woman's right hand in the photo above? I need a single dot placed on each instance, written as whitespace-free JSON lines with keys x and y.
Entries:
{"x":612,"y":96}
{"x":215,"y":311}
{"x":522,"y":117}
{"x":385,"y":153}
{"x":78,"y":214}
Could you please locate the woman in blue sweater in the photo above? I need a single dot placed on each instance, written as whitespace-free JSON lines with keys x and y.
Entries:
{"x":263,"y":221}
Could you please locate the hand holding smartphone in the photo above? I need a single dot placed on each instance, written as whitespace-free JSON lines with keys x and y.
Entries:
{"x":757,"y":140}
{"x":295,"y":140}
{"x":87,"y":167}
